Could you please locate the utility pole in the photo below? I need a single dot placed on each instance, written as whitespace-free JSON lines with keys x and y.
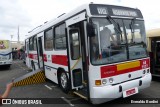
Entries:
{"x":11,"y":37}
{"x":18,"y":33}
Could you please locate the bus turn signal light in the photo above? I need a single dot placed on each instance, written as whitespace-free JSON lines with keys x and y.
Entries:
{"x":97,"y":82}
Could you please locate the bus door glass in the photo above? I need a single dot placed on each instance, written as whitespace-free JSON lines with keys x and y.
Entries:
{"x":40,"y":52}
{"x":75,"y":58}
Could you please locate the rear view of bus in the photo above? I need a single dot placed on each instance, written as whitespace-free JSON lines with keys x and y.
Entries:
{"x":5,"y":53}
{"x":119,"y":61}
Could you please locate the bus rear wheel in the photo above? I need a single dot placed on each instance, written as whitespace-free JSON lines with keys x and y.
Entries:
{"x":64,"y":82}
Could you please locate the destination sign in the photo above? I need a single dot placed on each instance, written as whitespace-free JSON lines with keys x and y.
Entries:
{"x":121,"y":12}
{"x":100,"y":9}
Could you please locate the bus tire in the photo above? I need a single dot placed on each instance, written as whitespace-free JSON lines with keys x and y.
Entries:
{"x":64,"y":82}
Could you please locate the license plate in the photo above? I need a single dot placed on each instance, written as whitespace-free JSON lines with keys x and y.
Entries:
{"x":130,"y":92}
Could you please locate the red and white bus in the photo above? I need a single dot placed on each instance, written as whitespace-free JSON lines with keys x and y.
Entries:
{"x":98,"y":51}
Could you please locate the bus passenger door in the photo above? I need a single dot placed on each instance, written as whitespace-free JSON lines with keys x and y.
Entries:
{"x":75,"y":58}
{"x":40,"y":52}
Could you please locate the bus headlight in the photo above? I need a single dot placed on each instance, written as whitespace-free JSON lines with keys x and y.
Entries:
{"x":111,"y":80}
{"x":104,"y":81}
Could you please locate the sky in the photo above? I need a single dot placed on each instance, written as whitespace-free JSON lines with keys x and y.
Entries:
{"x":28,"y":14}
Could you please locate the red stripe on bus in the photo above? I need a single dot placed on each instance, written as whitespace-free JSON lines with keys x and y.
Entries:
{"x":33,"y":56}
{"x":30,"y":56}
{"x":108,"y":71}
{"x":45,"y":57}
{"x":60,"y":59}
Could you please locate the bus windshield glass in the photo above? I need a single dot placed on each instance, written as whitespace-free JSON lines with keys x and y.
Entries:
{"x":111,"y":45}
{"x":136,"y":37}
{"x":4,"y":44}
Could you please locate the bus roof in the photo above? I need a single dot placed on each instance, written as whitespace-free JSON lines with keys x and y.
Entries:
{"x":91,"y":10}
{"x":153,"y":33}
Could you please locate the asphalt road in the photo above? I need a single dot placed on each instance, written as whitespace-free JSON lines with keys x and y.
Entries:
{"x":51,"y":90}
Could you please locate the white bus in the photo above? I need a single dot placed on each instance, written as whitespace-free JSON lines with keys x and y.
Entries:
{"x":97,"y":51}
{"x":5,"y":53}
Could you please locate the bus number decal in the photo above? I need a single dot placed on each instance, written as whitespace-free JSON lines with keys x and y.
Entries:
{"x":145,"y":63}
{"x":102,"y":10}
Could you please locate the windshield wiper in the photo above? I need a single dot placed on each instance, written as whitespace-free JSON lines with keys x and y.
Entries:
{"x":116,"y":25}
{"x":132,"y":24}
{"x":132,"y":28}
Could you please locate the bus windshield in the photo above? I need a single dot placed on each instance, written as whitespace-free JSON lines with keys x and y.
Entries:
{"x":111,"y":45}
{"x":4,"y":44}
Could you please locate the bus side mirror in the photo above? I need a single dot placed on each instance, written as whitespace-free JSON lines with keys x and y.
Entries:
{"x":91,"y":29}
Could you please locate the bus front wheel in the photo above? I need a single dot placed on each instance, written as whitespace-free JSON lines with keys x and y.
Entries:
{"x":64,"y":82}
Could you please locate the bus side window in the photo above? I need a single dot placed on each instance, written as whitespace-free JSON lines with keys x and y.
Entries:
{"x":35,"y":43}
{"x":60,"y":37}
{"x":31,"y":44}
{"x":48,"y":39}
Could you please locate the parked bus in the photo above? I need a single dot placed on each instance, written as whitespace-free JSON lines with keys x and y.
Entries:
{"x":98,"y":51}
{"x":153,"y":37}
{"x":5,"y":53}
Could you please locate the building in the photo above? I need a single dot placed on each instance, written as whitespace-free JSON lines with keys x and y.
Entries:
{"x":17,"y":45}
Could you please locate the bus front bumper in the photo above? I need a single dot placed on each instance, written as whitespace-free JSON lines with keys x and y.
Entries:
{"x":7,"y":62}
{"x":111,"y":92}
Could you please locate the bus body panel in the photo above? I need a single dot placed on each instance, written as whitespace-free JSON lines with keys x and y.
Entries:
{"x":76,"y":19}
{"x":108,"y":93}
{"x":126,"y":80}
{"x":53,"y":61}
{"x":27,"y":53}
